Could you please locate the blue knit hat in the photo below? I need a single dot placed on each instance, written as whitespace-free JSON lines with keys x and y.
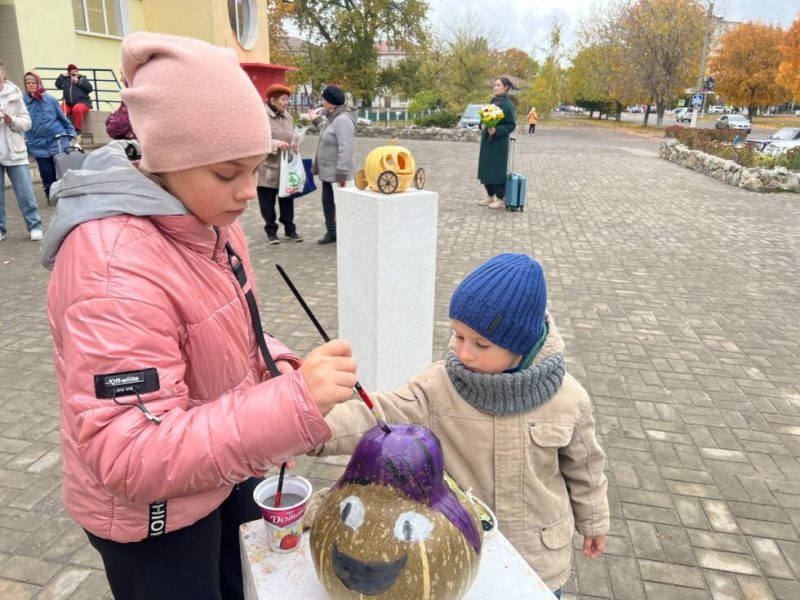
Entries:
{"x":504,"y":300}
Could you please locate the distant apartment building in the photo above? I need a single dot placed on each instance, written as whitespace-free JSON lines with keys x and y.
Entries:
{"x":720,"y":28}
{"x":388,"y":56}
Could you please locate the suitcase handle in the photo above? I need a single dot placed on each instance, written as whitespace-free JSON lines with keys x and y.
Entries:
{"x":69,"y":149}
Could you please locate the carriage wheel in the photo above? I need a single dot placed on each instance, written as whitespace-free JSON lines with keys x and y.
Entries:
{"x":388,"y":182}
{"x":419,"y":178}
{"x":361,"y":179}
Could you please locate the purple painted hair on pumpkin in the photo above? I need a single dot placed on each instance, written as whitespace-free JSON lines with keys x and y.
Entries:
{"x":409,"y":459}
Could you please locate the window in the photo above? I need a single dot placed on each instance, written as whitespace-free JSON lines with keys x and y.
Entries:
{"x":98,"y":16}
{"x":244,"y":21}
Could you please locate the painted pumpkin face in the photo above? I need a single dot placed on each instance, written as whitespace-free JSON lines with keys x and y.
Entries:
{"x":391,"y":528}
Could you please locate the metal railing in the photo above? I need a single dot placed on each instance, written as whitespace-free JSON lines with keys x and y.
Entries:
{"x":104,"y":81}
{"x":388,"y":115}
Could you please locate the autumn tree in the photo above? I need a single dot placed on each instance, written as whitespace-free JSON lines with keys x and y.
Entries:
{"x":516,"y":62}
{"x":280,"y":49}
{"x":606,"y":65}
{"x":461,"y":66}
{"x":589,"y":79}
{"x":349,"y":29}
{"x":662,"y":41}
{"x":746,"y":66}
{"x":547,"y":88}
{"x":789,"y":69}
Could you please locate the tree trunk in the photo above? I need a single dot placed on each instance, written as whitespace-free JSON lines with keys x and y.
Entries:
{"x":646,"y":116}
{"x":751,"y":110}
{"x":619,"y":110}
{"x":659,"y":114}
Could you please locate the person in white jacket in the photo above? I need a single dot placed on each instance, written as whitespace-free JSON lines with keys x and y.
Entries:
{"x":14,"y":122}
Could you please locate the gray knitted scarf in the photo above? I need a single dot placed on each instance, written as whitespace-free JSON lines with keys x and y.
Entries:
{"x":508,"y":393}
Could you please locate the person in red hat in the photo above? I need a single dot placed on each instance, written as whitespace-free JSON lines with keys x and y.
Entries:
{"x":282,"y":127}
{"x":76,"y":90}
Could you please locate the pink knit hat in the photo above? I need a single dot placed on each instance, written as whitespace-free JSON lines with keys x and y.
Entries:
{"x":190,"y":103}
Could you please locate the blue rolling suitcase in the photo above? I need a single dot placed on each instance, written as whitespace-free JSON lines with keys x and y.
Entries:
{"x":515,"y":183}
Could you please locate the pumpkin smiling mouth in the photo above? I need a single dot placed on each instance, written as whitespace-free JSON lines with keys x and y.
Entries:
{"x":366,"y":578}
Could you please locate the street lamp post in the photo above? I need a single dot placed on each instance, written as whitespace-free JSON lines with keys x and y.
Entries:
{"x":702,"y":75}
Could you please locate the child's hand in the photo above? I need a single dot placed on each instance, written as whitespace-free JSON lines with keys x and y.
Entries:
{"x":594,"y":546}
{"x":330,"y":374}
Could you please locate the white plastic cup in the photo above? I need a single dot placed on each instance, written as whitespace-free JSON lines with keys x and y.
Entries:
{"x":284,"y":524}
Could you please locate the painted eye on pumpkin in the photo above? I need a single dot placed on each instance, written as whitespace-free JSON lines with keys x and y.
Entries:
{"x":351,"y":509}
{"x":412,"y":527}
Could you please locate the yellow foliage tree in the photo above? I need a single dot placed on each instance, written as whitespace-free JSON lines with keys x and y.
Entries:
{"x":662,"y":40}
{"x":789,"y":69}
{"x":746,"y":66}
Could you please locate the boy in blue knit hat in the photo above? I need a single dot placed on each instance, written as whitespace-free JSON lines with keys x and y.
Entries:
{"x":514,"y":425}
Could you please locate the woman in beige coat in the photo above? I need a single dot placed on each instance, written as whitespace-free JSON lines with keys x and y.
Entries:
{"x":282,"y":127}
{"x":514,"y":425}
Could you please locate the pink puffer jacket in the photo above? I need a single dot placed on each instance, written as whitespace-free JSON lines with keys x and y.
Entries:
{"x":132,"y":293}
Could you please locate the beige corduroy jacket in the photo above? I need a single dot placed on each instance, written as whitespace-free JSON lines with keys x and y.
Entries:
{"x":541,"y":471}
{"x":282,"y":127}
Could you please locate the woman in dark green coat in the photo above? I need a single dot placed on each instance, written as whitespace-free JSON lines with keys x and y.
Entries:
{"x":493,"y":158}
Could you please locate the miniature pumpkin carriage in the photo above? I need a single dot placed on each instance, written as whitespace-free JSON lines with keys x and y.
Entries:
{"x":390,"y":169}
{"x":395,"y":526}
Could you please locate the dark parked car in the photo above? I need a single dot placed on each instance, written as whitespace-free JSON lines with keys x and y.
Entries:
{"x":786,"y":134}
{"x":471,"y":117}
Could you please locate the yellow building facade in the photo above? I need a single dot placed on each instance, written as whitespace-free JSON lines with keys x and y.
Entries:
{"x":47,"y":35}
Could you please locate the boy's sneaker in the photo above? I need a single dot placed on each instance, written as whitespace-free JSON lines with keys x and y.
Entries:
{"x":497,"y":203}
{"x":294,"y":236}
{"x":2,"y":236}
{"x":37,"y":234}
{"x":272,"y":238}
{"x":485,"y":201}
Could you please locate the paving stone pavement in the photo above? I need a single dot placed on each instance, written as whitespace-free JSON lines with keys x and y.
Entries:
{"x":678,"y":299}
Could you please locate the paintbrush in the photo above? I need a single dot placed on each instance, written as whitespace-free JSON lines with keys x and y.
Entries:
{"x":279,"y":492}
{"x":361,"y":392}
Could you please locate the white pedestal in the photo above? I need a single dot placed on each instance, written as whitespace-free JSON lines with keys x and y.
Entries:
{"x":387,"y":272}
{"x":503,"y":573}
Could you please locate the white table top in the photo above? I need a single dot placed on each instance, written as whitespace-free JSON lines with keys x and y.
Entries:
{"x":503,"y":573}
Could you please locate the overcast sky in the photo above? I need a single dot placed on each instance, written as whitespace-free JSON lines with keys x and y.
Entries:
{"x":524,"y":23}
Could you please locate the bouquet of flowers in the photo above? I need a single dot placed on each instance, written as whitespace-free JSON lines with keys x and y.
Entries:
{"x":491,"y":115}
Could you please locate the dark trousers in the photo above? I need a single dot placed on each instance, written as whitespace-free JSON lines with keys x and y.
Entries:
{"x":531,"y":128}
{"x":496,"y":189}
{"x":47,"y":170}
{"x":329,"y":207}
{"x":266,"y":202}
{"x":199,"y":562}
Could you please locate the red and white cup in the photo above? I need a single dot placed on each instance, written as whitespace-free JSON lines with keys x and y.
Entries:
{"x":284,"y":524}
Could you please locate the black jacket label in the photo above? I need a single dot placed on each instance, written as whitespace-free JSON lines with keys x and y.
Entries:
{"x":113,"y":385}
{"x":157,"y":524}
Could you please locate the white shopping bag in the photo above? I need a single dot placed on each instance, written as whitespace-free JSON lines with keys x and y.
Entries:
{"x":292,"y":174}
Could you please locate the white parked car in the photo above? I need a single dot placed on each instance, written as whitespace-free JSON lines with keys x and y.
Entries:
{"x":777,"y":147}
{"x":683,"y":114}
{"x":785,"y":134}
{"x":733,"y":122}
{"x":717,"y":108}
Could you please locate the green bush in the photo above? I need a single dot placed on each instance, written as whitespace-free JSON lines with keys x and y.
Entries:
{"x":789,"y":159}
{"x":423,"y":100}
{"x":442,"y":118}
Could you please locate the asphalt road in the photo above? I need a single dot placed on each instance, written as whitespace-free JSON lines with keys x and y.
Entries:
{"x":705,"y":122}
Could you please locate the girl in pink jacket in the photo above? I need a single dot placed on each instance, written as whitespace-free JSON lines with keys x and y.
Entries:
{"x":168,"y":412}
